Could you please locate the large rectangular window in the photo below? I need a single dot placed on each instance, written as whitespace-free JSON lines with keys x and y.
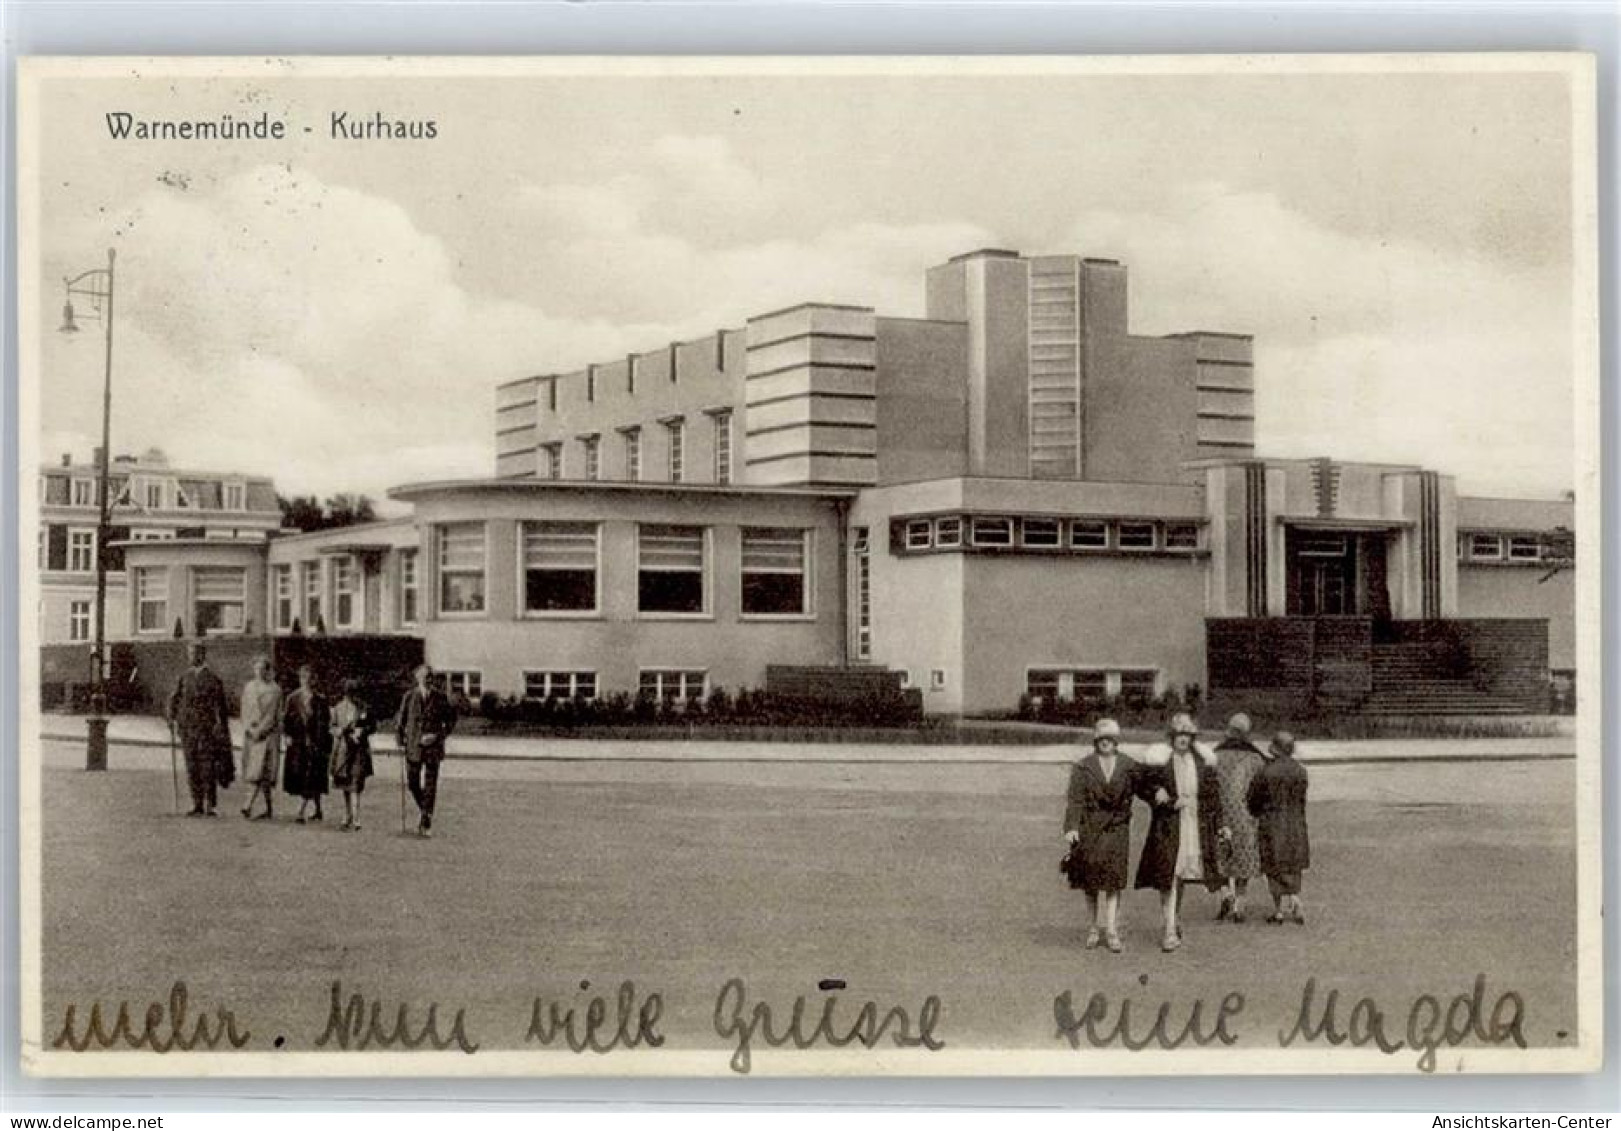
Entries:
{"x":283,"y":596}
{"x":675,"y":434}
{"x":560,"y":685}
{"x":1137,"y":536}
{"x":461,"y":568}
{"x":152,"y":494}
{"x":81,"y":550}
{"x":151,"y":598}
{"x":670,"y":684}
{"x":670,"y":569}
{"x":1087,"y":534}
{"x":1486,"y":547}
{"x":1524,"y":548}
{"x":1040,"y":533}
{"x":1091,"y":684}
{"x":723,"y":445}
{"x":345,"y":592}
{"x":560,"y":567}
{"x":464,"y":685}
{"x":311,"y":577}
{"x":219,"y":596}
{"x":409,"y":587}
{"x":774,"y":571}
{"x":993,"y":531}
{"x":78,"y":620}
{"x":84,"y":492}
{"x":1181,"y":536}
{"x":235,"y":496}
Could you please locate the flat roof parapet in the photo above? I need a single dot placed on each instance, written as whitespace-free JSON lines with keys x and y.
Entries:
{"x":987,"y":253}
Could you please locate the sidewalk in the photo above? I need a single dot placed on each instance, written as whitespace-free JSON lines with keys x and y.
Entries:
{"x":140,"y":730}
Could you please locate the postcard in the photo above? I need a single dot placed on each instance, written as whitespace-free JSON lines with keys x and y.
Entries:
{"x":809,"y":566}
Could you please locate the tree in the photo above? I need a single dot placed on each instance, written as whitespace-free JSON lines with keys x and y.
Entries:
{"x":307,"y":513}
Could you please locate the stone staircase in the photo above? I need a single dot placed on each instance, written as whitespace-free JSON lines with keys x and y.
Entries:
{"x":1423,"y":679}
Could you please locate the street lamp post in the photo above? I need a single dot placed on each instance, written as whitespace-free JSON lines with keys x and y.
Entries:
{"x":97,"y":285}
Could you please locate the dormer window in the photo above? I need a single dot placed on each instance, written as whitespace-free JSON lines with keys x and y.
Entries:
{"x":235,"y":496}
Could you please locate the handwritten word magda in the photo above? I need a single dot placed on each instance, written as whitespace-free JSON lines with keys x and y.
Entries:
{"x":736,"y":1019}
{"x":164,"y":1028}
{"x":631,"y":1026}
{"x":1427,"y":1027}
{"x":1167,"y":1030}
{"x":352,"y":1025}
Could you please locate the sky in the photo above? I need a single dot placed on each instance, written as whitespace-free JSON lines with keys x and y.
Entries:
{"x":336,"y":313}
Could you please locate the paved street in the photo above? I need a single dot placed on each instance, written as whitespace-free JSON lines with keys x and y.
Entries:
{"x":903,"y":880}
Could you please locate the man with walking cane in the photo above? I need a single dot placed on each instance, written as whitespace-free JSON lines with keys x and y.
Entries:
{"x":425,"y":720}
{"x":199,"y":711}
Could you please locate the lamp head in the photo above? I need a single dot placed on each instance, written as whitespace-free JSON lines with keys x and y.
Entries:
{"x":69,"y":326}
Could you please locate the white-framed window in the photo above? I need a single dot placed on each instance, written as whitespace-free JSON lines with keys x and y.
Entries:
{"x":235,"y":496}
{"x":723,"y":445}
{"x":948,"y":532}
{"x":464,"y":683}
{"x":461,"y":568}
{"x":560,"y":566}
{"x":1137,"y":536}
{"x":283,"y":597}
{"x":559,"y":685}
{"x":591,"y":453}
{"x":345,"y":592}
{"x":992,"y":531}
{"x":310,"y":575}
{"x":78,"y":620}
{"x":1095,"y":684}
{"x":219,"y":597}
{"x":1181,"y":536}
{"x":775,"y":575}
{"x":410,"y":608}
{"x":673,"y":683}
{"x":152,"y":494}
{"x":151,"y":598}
{"x":1040,"y":533}
{"x":633,"y":454}
{"x":919,"y":534}
{"x":1485,"y":547}
{"x":551,"y":459}
{"x":1524,"y":548}
{"x":84,"y":492}
{"x":81,"y":550}
{"x":859,"y":549}
{"x":670,"y":569}
{"x":675,"y":435}
{"x":1088,"y":534}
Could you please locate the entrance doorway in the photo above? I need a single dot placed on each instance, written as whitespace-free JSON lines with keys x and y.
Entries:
{"x":1336,"y":573}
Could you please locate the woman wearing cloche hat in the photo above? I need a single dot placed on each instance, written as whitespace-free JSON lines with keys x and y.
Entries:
{"x":1097,"y":824}
{"x":1181,"y":788}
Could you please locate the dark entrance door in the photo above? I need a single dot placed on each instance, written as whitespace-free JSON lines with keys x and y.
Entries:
{"x":1334,"y":573}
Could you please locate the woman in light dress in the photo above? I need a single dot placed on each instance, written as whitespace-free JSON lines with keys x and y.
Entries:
{"x":1180,"y":785}
{"x":261,"y":736}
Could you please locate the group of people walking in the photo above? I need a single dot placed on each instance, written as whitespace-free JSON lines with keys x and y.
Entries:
{"x":303,"y":741}
{"x":1216,"y":817}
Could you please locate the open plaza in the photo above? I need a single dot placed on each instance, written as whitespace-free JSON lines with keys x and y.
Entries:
{"x":901,"y":873}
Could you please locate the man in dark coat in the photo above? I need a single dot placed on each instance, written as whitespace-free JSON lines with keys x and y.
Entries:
{"x":199,"y":712}
{"x":1277,"y":798}
{"x":1182,"y":790}
{"x":1097,"y":824}
{"x":425,"y":720}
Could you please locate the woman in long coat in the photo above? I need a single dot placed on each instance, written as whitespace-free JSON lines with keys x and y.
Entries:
{"x":1180,"y":786}
{"x":1277,"y":798}
{"x":261,"y":736}
{"x":1097,"y":824}
{"x":307,"y":725}
{"x":1238,"y":760}
{"x":352,"y":727}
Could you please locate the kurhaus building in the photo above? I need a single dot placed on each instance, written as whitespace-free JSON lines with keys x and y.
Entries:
{"x":1014,"y":495}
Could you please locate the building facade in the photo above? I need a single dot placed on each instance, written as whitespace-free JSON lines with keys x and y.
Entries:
{"x":1012,"y":496}
{"x":151,"y":502}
